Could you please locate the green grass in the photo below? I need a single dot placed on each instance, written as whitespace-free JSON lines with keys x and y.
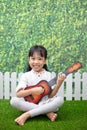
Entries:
{"x":71,"y":116}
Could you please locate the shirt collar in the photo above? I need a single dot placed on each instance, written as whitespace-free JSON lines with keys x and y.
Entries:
{"x":38,"y":73}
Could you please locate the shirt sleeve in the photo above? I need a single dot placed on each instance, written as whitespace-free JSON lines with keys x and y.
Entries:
{"x":22,"y":83}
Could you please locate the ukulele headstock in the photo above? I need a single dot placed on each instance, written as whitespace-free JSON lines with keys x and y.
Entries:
{"x":76,"y":66}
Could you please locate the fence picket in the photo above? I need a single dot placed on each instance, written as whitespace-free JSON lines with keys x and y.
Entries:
{"x":1,"y":85}
{"x":13,"y":83}
{"x":84,"y":88}
{"x":69,"y":87}
{"x":77,"y":80}
{"x":6,"y":85}
{"x":19,"y":75}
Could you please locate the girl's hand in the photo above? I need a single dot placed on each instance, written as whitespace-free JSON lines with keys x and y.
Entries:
{"x":37,"y":90}
{"x":61,"y":78}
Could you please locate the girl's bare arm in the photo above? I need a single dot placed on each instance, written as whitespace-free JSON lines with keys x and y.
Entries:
{"x":59,"y":82}
{"x":24,"y":93}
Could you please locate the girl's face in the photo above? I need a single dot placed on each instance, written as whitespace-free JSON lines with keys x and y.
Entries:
{"x":37,"y":62}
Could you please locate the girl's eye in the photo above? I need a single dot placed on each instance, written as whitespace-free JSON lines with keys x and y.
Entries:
{"x":39,"y":59}
{"x":33,"y":58}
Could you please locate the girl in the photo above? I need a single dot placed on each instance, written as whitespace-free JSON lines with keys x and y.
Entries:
{"x":37,"y":71}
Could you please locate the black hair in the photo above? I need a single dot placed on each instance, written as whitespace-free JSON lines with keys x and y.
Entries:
{"x":41,"y":50}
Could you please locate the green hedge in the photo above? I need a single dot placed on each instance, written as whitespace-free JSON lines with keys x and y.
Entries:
{"x":59,"y":25}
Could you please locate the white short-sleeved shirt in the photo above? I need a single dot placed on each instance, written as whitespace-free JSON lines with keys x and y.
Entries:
{"x":31,"y":78}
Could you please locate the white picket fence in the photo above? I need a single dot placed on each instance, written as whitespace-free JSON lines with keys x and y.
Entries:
{"x":73,"y":88}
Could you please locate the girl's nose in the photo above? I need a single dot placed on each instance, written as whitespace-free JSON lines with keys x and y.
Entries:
{"x":36,"y":61}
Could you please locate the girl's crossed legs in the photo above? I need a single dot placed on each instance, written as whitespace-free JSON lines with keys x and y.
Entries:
{"x":32,"y":109}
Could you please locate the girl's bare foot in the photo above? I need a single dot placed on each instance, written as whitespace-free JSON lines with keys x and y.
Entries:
{"x":21,"y":119}
{"x":52,"y":116}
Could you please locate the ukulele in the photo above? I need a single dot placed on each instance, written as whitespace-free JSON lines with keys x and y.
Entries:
{"x":34,"y":98}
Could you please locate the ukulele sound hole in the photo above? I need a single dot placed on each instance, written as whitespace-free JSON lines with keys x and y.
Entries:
{"x":31,"y":97}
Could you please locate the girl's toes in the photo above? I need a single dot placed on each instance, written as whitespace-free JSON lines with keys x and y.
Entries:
{"x":54,"y":117}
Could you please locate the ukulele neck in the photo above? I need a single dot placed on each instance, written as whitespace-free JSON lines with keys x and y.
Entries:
{"x":53,"y":81}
